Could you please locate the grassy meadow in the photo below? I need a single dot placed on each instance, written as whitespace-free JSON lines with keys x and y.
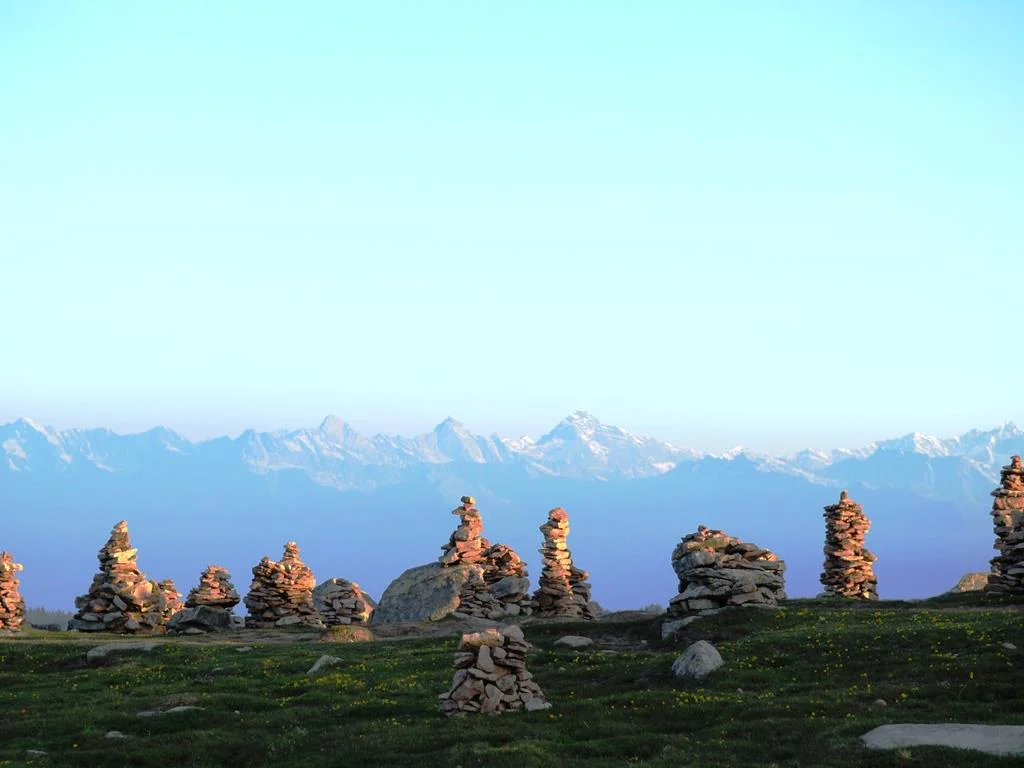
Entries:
{"x":799,"y":686}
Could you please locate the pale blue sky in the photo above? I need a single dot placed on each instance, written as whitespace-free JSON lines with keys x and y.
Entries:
{"x":772,"y":223}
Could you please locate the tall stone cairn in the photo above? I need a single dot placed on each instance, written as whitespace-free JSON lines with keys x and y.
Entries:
{"x":563,"y":589}
{"x":849,"y":566}
{"x":504,"y":588}
{"x":466,"y":545}
{"x":170,"y":599}
{"x":121,"y":598}
{"x":12,"y":607}
{"x":340,"y":602}
{"x":281,"y":593}
{"x":215,"y":590}
{"x":716,"y":571}
{"x":1007,"y":573}
{"x":491,"y":675}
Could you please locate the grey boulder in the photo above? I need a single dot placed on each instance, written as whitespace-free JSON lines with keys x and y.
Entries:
{"x":425,"y":593}
{"x":697,"y":661}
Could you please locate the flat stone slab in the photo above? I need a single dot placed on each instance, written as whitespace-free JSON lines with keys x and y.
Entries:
{"x":993,"y":739}
{"x":102,"y":651}
{"x":574,"y":641}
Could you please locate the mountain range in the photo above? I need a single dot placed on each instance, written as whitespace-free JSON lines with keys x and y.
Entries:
{"x":231,"y":500}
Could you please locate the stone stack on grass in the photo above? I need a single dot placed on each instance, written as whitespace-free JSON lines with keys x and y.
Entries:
{"x":121,"y":598}
{"x":281,"y":593}
{"x":563,"y":589}
{"x":12,"y":607}
{"x":340,"y":602}
{"x":170,"y":599}
{"x":502,"y":587}
{"x":467,"y":544}
{"x":215,"y":590}
{"x":491,"y":675}
{"x":716,"y":571}
{"x":849,"y":566}
{"x":1007,"y":572}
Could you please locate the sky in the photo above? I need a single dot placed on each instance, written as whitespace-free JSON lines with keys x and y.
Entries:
{"x":776,"y":224}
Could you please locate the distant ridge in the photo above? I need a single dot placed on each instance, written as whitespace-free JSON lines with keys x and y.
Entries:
{"x":580,"y":446}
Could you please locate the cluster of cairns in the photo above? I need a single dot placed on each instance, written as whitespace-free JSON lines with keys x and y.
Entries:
{"x":1007,"y":572}
{"x":340,"y":602}
{"x":491,"y":675}
{"x":121,"y":598}
{"x":716,"y":571}
{"x":563,"y":589}
{"x":12,"y":607}
{"x":502,"y":587}
{"x":849,"y":566}
{"x":281,"y":593}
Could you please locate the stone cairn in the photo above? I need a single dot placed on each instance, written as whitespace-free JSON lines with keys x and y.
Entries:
{"x":12,"y":607}
{"x":504,"y":588}
{"x":340,"y":602}
{"x":716,"y":570}
{"x":281,"y":593}
{"x":1007,"y":573}
{"x":121,"y":598}
{"x":491,"y":675}
{"x":170,"y":599}
{"x":563,"y":589}
{"x":848,"y":569}
{"x":215,"y":590}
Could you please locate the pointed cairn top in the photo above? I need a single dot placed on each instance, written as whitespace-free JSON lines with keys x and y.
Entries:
{"x":844,"y":496}
{"x":1015,"y":462}
{"x":291,"y":551}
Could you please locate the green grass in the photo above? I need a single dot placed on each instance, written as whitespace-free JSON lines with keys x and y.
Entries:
{"x":797,"y":689}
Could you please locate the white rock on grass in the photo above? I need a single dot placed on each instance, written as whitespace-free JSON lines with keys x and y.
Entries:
{"x":574,"y":641}
{"x":324,"y":663}
{"x":102,"y":651}
{"x":1005,"y":740}
{"x":171,"y":711}
{"x":697,"y":661}
{"x":116,"y":735}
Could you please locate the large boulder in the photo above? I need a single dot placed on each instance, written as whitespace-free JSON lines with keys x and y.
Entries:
{"x":974,"y":581}
{"x":426,"y":593}
{"x":202,"y":618}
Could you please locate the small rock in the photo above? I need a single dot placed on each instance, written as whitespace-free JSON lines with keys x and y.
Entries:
{"x":574,"y":641}
{"x":879,"y":703}
{"x":1009,"y":646}
{"x":114,"y":735}
{"x":102,"y":651}
{"x":323,"y":663}
{"x":244,"y":649}
{"x":35,"y":753}
{"x":177,"y":710}
{"x":697,"y":661}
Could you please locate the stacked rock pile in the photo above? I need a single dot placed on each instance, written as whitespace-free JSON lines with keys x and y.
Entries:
{"x":170,"y":599}
{"x":121,"y":598}
{"x":491,"y":675}
{"x":340,"y":602}
{"x":281,"y":593}
{"x":1007,"y":573}
{"x":12,"y":607}
{"x":503,"y":587}
{"x":215,"y":590}
{"x":848,"y":569}
{"x":716,"y":570}
{"x":563,"y":589}
{"x":467,"y":544}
